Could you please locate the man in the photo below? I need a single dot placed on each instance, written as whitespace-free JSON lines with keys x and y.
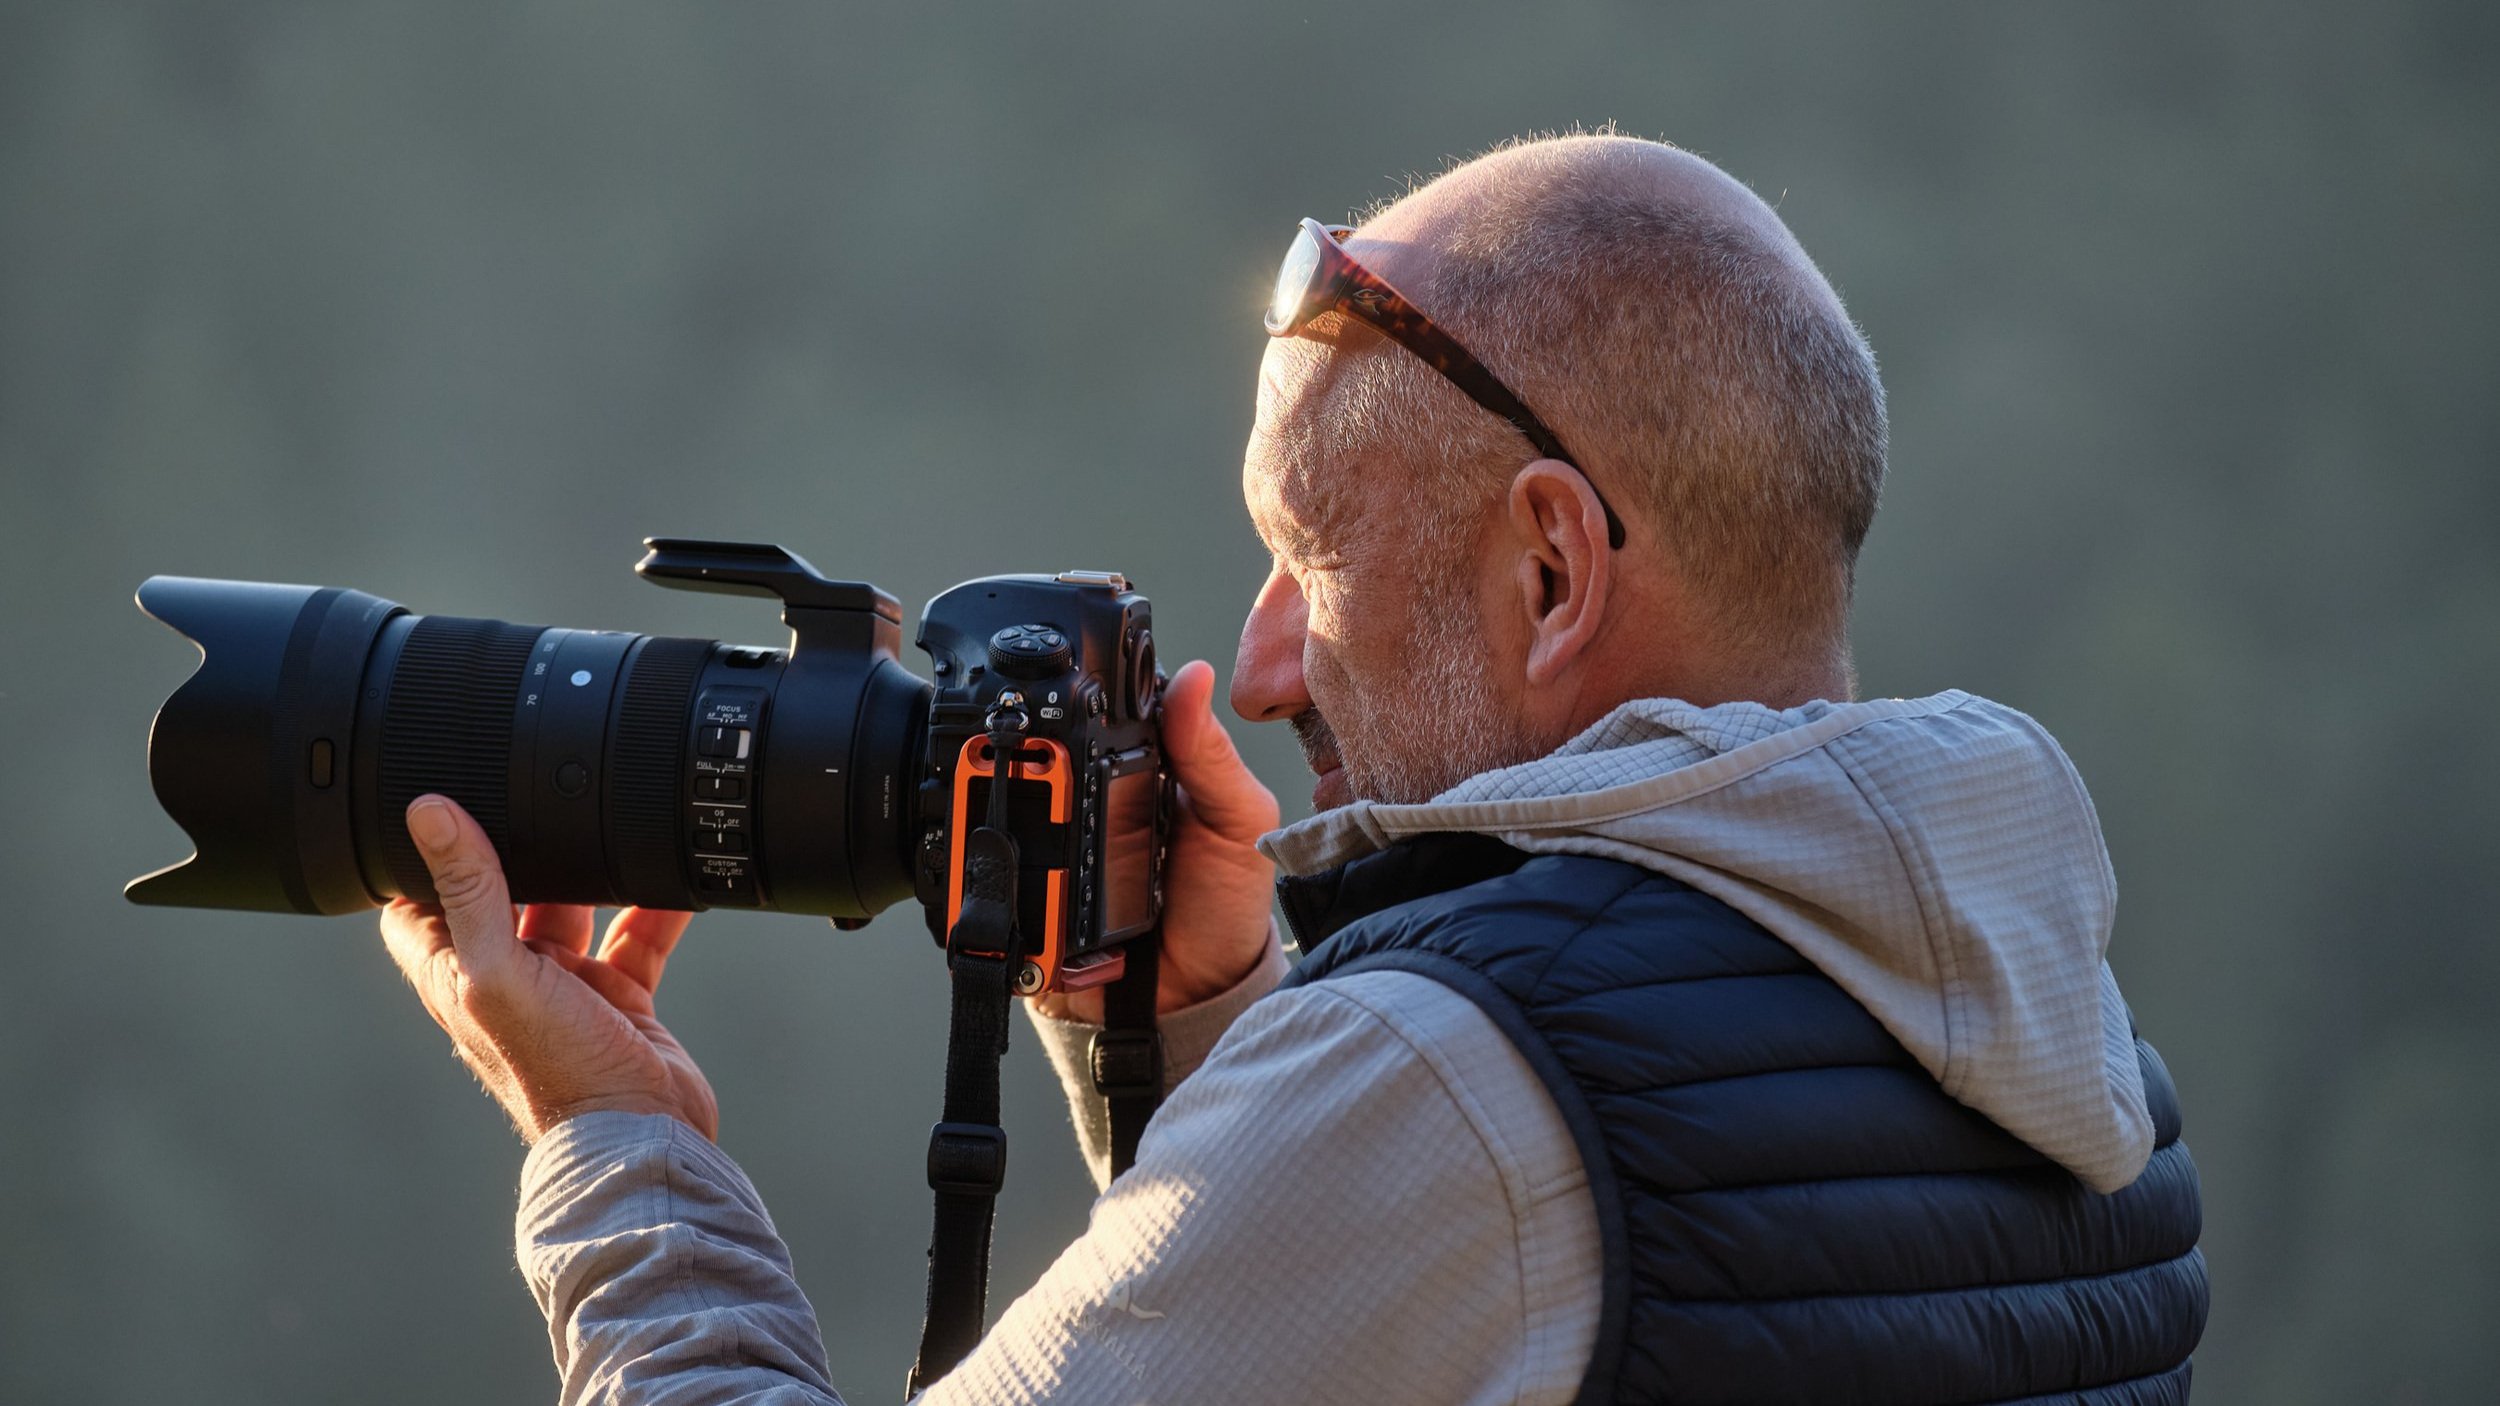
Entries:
{"x":1670,"y":1028}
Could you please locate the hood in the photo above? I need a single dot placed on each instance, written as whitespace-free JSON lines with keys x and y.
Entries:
{"x":1936,"y":857}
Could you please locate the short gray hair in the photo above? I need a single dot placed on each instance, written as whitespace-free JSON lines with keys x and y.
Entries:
{"x":1694,"y":358}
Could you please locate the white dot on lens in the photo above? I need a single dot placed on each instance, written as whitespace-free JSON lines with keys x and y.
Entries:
{"x":580,"y":677}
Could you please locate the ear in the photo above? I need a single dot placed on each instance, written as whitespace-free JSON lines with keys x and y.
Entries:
{"x":1565,"y":568}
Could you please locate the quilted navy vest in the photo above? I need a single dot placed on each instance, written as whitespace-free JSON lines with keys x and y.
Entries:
{"x":1792,"y":1210}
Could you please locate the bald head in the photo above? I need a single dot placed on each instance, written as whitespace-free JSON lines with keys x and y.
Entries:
{"x":1664,"y":323}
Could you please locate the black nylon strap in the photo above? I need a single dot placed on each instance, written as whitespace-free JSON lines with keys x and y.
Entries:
{"x":1127,"y":1054}
{"x":968,"y":1150}
{"x":965,"y":1178}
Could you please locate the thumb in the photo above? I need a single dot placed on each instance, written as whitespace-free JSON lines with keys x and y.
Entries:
{"x":468,"y":882}
{"x":1221,"y":789}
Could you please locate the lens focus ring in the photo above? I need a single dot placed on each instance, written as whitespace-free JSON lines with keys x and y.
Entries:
{"x":448,"y":729}
{"x":646,"y":857}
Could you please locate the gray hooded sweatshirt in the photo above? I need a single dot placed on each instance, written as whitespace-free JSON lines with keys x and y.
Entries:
{"x":1938,"y":858}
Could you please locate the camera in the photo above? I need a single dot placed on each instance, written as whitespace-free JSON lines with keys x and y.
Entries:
{"x":610,"y":768}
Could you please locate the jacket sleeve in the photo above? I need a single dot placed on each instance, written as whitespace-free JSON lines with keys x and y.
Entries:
{"x":661,"y":1276}
{"x":1189,"y":1035}
{"x":1361,"y":1195}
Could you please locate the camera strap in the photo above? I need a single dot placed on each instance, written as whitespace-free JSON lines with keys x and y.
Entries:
{"x":968,"y":1148}
{"x":1127,"y":1053}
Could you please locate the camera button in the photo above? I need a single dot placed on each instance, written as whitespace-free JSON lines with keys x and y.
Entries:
{"x":720,"y":788}
{"x":1029,"y":651}
{"x":721,"y":841}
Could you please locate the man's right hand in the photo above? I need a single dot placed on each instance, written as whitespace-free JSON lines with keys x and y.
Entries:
{"x":550,"y":1029}
{"x":1217,"y":887}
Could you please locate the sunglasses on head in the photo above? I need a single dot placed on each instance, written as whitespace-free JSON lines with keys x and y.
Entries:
{"x":1320,"y":277}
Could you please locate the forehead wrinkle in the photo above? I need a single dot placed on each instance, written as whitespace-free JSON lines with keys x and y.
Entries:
{"x":1328,"y":494}
{"x":1307,"y":479}
{"x":1306,"y":506}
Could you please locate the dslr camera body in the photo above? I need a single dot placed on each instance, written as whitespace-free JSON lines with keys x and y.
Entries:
{"x":612,"y":768}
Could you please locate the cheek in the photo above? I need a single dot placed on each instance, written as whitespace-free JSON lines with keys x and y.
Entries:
{"x":1323,"y":667}
{"x":1349,"y":655}
{"x":1336,"y":695}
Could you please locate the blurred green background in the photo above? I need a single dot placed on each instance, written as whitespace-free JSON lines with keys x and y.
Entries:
{"x":2187,"y":314}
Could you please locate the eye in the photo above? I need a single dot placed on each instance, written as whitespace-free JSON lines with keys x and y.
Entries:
{"x":1316,"y":571}
{"x":1323,"y":584}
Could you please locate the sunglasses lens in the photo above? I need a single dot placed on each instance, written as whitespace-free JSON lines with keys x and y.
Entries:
{"x":1293,"y":283}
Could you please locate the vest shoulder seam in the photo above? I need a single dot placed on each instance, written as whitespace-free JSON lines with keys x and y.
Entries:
{"x":1802,"y":969}
{"x":1636,"y":1090}
{"x":1982,"y":1286}
{"x":2041,"y":1167}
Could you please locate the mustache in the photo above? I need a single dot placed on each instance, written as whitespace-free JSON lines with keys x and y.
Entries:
{"x":1319,"y":743}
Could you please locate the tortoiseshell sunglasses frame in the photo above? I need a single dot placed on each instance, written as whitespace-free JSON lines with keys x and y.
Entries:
{"x":1339,"y":283}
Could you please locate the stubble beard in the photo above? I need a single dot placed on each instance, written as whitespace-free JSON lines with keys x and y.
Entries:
{"x":1424,"y":725}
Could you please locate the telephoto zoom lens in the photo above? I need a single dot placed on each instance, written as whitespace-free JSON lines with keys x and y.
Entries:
{"x":608,"y":768}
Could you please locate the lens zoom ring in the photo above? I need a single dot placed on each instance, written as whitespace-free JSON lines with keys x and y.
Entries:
{"x":647,"y":757}
{"x":447,"y":728}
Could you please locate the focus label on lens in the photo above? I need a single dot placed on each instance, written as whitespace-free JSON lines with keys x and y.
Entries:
{"x":728,"y":722}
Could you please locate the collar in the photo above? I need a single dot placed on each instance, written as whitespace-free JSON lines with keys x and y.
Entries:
{"x":1318,"y":904}
{"x":1645,"y":755}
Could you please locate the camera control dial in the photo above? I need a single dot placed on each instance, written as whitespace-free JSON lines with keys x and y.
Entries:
{"x":1030,"y":652}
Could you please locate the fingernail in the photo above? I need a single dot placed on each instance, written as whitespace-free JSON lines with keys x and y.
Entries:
{"x":430,"y":821}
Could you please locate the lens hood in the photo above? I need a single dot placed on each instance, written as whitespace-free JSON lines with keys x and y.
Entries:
{"x":249,"y":755}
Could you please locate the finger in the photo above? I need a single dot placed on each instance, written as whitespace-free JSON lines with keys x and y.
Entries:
{"x":414,"y":936}
{"x":612,"y":986}
{"x":420,"y":946}
{"x":639,"y":941}
{"x":566,"y":923}
{"x":1223,"y":793}
{"x":468,"y":886}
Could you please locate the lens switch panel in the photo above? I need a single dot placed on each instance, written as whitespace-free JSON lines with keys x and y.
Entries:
{"x":722,"y":788}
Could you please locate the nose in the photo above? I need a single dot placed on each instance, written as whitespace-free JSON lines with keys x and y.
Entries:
{"x":1267,"y":671}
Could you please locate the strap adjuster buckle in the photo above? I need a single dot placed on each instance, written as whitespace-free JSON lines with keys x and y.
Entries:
{"x":1127,"y":1063}
{"x":967,"y":1159}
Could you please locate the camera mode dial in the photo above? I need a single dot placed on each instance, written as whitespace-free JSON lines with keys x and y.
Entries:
{"x":1030,"y":652}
